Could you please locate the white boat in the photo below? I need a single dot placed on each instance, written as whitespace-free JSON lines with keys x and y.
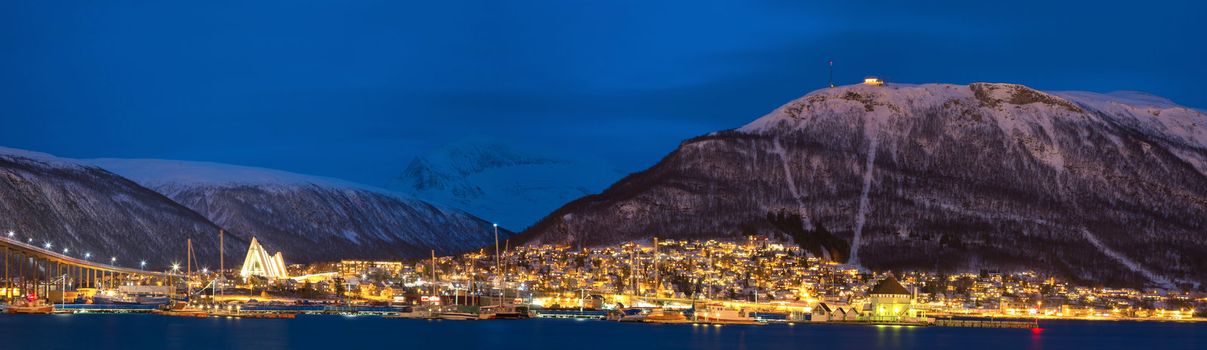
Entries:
{"x":718,"y":314}
{"x":459,"y":313}
{"x":457,"y":316}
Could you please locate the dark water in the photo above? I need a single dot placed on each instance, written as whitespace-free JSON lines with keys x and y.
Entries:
{"x":338,"y":332}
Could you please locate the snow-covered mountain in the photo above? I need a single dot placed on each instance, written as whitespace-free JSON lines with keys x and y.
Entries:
{"x":515,"y":187}
{"x":1107,"y":188}
{"x":86,"y":209}
{"x":309,"y":218}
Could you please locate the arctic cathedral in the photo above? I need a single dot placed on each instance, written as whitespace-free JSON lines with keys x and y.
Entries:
{"x":259,"y":263}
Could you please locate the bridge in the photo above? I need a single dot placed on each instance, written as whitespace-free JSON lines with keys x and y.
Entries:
{"x":29,"y":268}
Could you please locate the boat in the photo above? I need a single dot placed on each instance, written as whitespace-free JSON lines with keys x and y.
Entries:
{"x":182,"y":309}
{"x":149,"y":295}
{"x":631,"y":315}
{"x":30,"y":305}
{"x":716,"y":314}
{"x":459,"y":313}
{"x":152,"y":300}
{"x":503,"y":312}
{"x":112,"y":297}
{"x":458,"y":316}
{"x":664,"y":316}
{"x":412,"y":312}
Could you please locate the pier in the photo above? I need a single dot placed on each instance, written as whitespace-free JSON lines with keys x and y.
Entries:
{"x":988,"y":323}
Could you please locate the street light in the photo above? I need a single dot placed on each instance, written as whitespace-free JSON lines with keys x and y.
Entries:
{"x":87,"y":255}
{"x":112,"y":260}
{"x":65,"y":250}
{"x":10,"y":234}
{"x":142,"y":264}
{"x":47,"y":245}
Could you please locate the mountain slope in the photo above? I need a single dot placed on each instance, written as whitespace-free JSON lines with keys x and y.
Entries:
{"x":1099,"y":188}
{"x":86,"y":209}
{"x":514,"y":187}
{"x":310,"y":218}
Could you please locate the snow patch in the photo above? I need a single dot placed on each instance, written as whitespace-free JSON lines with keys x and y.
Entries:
{"x":870,"y":130}
{"x":1129,"y":263}
{"x":800,"y":202}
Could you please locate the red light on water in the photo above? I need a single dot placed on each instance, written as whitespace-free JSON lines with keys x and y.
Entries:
{"x":1037,"y":330}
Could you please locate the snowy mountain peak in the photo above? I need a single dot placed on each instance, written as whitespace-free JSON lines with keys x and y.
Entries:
{"x":170,"y":176}
{"x":511,"y":185}
{"x":159,"y":172}
{"x":37,"y":157}
{"x":1013,"y":108}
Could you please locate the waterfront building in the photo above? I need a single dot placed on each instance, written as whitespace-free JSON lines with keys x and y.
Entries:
{"x":259,"y":263}
{"x":821,"y":313}
{"x":889,"y":301}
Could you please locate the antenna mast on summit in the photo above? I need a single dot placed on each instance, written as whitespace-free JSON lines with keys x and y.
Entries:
{"x":831,"y":72}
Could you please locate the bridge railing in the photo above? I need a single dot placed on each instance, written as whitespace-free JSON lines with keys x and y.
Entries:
{"x":56,"y":256}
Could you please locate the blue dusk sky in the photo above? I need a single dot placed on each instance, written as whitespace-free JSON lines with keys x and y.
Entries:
{"x":355,"y":89}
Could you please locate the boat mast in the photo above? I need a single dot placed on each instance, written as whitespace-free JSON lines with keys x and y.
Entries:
{"x":188,"y":268}
{"x":221,"y":265}
{"x":506,"y":246}
{"x":433,"y":289}
{"x":497,"y":271}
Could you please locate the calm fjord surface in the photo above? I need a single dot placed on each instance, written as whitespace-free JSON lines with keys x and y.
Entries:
{"x":337,"y":332}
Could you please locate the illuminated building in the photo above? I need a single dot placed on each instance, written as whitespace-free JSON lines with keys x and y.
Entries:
{"x":353,"y":268}
{"x":890,"y":301}
{"x":873,"y":81}
{"x":259,"y":263}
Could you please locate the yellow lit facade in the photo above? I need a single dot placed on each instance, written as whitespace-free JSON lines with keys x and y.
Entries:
{"x":259,"y":263}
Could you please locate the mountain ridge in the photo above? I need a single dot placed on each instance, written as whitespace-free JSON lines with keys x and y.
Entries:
{"x":962,"y":176}
{"x":324,"y":217}
{"x":92,"y":206}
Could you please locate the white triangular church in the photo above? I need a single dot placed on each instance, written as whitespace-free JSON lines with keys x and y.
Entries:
{"x":259,"y":263}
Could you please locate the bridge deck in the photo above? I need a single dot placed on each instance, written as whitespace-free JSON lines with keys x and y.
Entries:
{"x":29,"y":249}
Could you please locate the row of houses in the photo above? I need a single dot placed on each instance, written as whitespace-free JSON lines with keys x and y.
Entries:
{"x":826,"y":312}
